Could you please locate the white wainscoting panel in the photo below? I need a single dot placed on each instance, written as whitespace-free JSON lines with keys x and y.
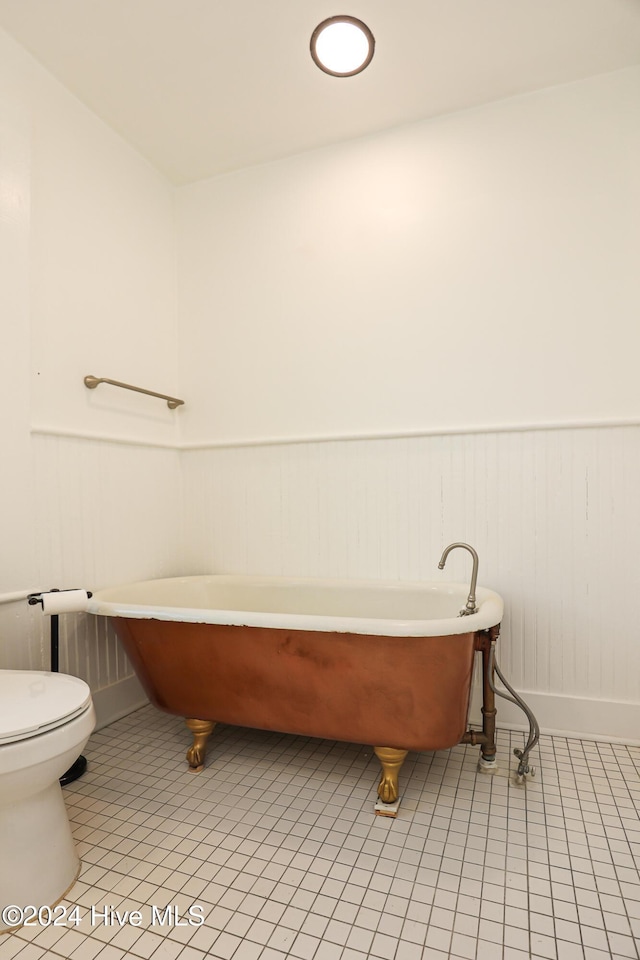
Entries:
{"x":554,"y":515}
{"x":104,"y":513}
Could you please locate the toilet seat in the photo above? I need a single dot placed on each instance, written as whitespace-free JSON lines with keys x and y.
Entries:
{"x":34,"y":701}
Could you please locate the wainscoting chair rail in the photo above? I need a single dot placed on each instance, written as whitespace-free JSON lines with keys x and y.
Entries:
{"x":92,"y":382}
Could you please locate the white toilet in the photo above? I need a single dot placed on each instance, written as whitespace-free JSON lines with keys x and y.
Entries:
{"x":45,"y":721}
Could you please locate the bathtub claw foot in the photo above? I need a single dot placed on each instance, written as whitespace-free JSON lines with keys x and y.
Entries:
{"x":391,"y":759}
{"x":201,"y":730}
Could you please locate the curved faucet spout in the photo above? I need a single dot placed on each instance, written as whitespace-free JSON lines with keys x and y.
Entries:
{"x":471,"y":599}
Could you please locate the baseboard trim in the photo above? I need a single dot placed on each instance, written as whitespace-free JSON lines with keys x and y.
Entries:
{"x":612,"y":721}
{"x":118,"y":700}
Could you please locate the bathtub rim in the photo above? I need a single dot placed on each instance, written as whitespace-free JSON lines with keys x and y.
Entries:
{"x":490,"y":607}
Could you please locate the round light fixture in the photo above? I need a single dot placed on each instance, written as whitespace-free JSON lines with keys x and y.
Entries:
{"x":342,"y":46}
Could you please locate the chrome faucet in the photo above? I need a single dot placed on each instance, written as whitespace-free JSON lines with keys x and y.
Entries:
{"x":471,"y":599}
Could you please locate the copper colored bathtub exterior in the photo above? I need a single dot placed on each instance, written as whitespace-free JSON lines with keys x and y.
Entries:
{"x":407,"y":692}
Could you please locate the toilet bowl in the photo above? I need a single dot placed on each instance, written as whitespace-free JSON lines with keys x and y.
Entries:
{"x":45,"y":721}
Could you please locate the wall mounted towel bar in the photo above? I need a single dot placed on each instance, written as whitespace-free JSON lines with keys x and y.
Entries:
{"x":92,"y":382}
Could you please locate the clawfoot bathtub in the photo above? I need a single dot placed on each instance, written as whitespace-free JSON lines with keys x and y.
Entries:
{"x":388,"y":664}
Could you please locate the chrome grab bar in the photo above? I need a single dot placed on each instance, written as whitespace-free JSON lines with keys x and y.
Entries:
{"x":92,"y":382}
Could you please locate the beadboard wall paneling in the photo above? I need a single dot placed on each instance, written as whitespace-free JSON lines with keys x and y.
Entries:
{"x":104,"y":513}
{"x":552,"y":513}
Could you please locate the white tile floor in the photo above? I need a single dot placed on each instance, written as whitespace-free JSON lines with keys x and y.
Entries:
{"x":276,"y":845}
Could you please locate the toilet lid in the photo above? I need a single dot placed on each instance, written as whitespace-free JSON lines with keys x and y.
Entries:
{"x":32,"y":702}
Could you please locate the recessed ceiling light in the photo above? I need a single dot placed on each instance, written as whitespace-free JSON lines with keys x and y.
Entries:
{"x":342,"y":46}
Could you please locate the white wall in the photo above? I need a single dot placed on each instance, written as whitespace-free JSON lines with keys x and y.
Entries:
{"x":477,"y":270}
{"x":14,"y":315}
{"x":466,"y":279}
{"x":102,"y":276}
{"x":90,"y":480}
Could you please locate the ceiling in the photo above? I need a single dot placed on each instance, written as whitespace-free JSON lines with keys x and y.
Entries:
{"x":201,"y":87}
